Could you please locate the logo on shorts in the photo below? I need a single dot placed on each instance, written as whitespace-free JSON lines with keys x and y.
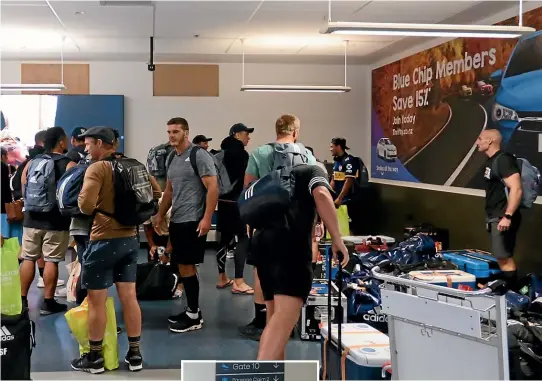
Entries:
{"x":5,"y":335}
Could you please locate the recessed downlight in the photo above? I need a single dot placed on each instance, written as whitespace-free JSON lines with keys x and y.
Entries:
{"x":79,"y":13}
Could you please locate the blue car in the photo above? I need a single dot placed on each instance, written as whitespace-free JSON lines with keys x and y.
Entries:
{"x":518,"y":100}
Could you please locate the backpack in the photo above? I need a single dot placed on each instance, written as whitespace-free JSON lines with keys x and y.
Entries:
{"x":18,"y":341}
{"x":362,"y":181}
{"x":156,"y":159}
{"x":68,"y":189}
{"x":133,"y":199}
{"x":15,"y":181}
{"x":224,"y":184}
{"x":530,"y":180}
{"x":41,"y":180}
{"x":267,"y":201}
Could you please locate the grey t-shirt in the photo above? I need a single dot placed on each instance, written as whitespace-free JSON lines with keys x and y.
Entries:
{"x":189,"y":193}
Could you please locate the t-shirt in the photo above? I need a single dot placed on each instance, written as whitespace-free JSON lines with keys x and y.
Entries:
{"x":260,"y":162}
{"x":6,"y":191}
{"x":76,"y":154}
{"x":496,"y":200}
{"x":189,"y":193}
{"x":344,"y":167}
{"x":52,"y":220}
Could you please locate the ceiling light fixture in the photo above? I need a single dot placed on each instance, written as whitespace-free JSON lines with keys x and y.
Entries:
{"x":295,"y":88}
{"x":427,"y":30}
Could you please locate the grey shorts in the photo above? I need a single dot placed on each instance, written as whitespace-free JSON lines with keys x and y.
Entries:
{"x":503,"y":243}
{"x":109,"y":261}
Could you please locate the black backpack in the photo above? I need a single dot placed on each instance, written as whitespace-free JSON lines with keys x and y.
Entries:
{"x":18,"y":340}
{"x":362,"y":180}
{"x":133,"y":199}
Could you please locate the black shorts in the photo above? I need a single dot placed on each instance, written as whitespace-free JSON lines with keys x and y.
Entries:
{"x":109,"y":261}
{"x":504,"y":243}
{"x":188,"y":248}
{"x":284,"y":267}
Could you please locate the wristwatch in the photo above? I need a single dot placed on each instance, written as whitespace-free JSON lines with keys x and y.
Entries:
{"x":508,"y":216}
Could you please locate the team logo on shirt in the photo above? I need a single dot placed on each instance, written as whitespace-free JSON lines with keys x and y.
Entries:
{"x":487,"y":173}
{"x":340,"y":167}
{"x":348,"y":166}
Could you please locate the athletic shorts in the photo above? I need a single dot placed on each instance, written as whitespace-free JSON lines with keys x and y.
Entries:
{"x":283,"y":268}
{"x":504,"y":243}
{"x":51,"y":244}
{"x":109,"y":261}
{"x":188,"y":247}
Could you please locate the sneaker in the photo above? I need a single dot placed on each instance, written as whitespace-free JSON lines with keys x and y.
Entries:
{"x":59,"y":283}
{"x":251,"y":331}
{"x":230,"y":254}
{"x":61,"y":293}
{"x":134,"y":361}
{"x":84,"y":364}
{"x":119,"y":330}
{"x":185,"y":324}
{"x":52,"y":308}
{"x":175,"y":318}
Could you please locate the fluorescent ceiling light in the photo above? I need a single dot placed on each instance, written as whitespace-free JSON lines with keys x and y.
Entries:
{"x":297,"y":89}
{"x":426,"y":30}
{"x":33,"y":87}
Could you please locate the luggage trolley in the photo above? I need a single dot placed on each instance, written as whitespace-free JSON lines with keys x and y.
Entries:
{"x":446,"y":333}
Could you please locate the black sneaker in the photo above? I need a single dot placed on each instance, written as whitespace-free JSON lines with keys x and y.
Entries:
{"x":134,"y":361}
{"x":185,"y":324}
{"x":52,"y":307}
{"x":119,"y":330}
{"x":84,"y":364}
{"x":175,"y":318}
{"x":251,"y":331}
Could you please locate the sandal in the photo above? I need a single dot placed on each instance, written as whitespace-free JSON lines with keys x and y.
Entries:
{"x":249,"y":291}
{"x":226,"y":285}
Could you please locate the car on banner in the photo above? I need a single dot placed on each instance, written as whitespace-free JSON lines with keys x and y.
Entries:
{"x":465,"y":91}
{"x":485,"y":88}
{"x":518,"y":99}
{"x":386,"y":150}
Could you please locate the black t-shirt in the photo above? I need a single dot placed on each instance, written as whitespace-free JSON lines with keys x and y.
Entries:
{"x":496,"y":199}
{"x":6,"y":191}
{"x":76,"y":154}
{"x":52,"y":220}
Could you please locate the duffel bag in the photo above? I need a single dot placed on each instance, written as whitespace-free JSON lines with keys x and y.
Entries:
{"x":18,"y":340}
{"x":155,"y":281}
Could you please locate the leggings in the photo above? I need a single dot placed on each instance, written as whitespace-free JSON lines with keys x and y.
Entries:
{"x":82,"y":242}
{"x":240,"y":254}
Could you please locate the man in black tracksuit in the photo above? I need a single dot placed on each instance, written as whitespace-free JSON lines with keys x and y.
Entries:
{"x":229,"y":222}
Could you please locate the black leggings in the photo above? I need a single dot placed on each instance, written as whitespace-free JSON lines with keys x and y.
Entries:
{"x":240,"y":255}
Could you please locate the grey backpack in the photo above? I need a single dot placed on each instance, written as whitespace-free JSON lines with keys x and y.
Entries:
{"x":41,"y":181}
{"x":530,"y":180}
{"x":288,"y":155}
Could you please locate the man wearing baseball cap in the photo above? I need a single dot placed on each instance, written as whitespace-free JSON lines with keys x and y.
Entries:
{"x":202,"y":141}
{"x":78,"y":145}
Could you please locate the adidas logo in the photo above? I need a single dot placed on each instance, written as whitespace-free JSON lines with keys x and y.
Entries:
{"x":5,"y":335}
{"x":376,"y":318}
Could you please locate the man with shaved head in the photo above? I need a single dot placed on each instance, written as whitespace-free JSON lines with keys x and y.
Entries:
{"x":503,"y":197}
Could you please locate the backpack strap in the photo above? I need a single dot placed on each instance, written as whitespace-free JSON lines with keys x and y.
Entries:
{"x":495,"y":167}
{"x":193,"y":159}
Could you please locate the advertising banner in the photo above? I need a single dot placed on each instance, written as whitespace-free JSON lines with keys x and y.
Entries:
{"x":428,"y":109}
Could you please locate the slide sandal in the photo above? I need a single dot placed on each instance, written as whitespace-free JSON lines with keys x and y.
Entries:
{"x":250,"y":291}
{"x":225,"y":285}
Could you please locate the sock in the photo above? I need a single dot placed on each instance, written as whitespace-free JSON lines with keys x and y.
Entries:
{"x":24,"y":298}
{"x":133,"y":342}
{"x":511,"y":279}
{"x":191,"y":289}
{"x":95,"y":349}
{"x":40,"y":269}
{"x":261,"y":317}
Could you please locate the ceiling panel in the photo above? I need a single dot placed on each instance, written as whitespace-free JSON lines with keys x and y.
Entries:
{"x":37,"y":16}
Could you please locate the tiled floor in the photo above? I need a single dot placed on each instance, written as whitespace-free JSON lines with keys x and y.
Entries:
{"x":162,"y":350}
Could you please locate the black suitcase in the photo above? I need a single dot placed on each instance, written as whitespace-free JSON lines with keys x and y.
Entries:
{"x":18,"y":340}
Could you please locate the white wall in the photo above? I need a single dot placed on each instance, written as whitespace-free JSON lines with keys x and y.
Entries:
{"x":322,"y":115}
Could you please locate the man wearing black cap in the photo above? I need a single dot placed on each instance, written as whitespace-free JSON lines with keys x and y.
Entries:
{"x":229,"y":221}
{"x":202,"y":141}
{"x":78,"y":145}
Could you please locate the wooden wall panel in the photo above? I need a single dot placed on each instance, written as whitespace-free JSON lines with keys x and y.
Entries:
{"x":76,"y":77}
{"x":188,"y":80}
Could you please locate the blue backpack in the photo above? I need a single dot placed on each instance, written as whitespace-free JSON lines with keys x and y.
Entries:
{"x":68,"y":189}
{"x":266,"y":202}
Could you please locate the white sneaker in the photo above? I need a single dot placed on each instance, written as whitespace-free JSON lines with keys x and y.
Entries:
{"x":61,"y":293}
{"x":230,"y":254}
{"x":59,"y":283}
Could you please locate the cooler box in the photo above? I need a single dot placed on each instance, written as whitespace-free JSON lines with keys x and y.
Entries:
{"x":481,"y":264}
{"x":368,"y":352}
{"x":446,"y":278}
{"x":314,"y":313}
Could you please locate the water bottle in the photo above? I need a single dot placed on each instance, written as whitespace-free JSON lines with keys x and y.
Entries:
{"x":161,"y":250}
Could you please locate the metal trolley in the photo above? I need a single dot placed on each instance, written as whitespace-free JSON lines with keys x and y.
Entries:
{"x":441,"y":333}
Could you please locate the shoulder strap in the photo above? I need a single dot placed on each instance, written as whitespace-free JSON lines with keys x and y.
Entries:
{"x":495,"y":167}
{"x":169,"y":158}
{"x":193,"y":161}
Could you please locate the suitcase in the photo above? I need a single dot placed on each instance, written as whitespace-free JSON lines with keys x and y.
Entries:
{"x":481,"y":264}
{"x":18,"y":341}
{"x":446,"y":278}
{"x":440,"y":236}
{"x":314,"y":313}
{"x":364,"y":354}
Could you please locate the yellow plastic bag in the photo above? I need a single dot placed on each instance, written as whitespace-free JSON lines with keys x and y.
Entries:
{"x":10,"y":303}
{"x":77,"y":319}
{"x":344,"y":222}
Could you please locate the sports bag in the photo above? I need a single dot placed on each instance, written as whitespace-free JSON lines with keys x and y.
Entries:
{"x":68,"y":189}
{"x":362,"y":180}
{"x":40,"y":189}
{"x":266,"y":202}
{"x":18,"y":340}
{"x":224,"y":184}
{"x":156,"y":159}
{"x":530,"y":180}
{"x":155,"y":281}
{"x":133,"y":199}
